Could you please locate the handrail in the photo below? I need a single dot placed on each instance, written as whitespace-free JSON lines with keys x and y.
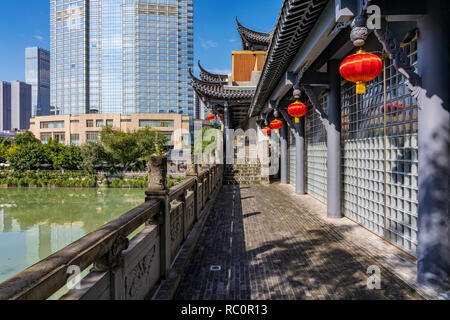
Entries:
{"x":179,"y":189}
{"x":46,"y":277}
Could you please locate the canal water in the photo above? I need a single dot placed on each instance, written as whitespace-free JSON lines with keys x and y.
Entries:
{"x":35,"y":223}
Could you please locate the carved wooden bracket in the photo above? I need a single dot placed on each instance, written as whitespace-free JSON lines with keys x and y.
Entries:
{"x":317,"y":106}
{"x":401,"y":62}
{"x":288,"y":121}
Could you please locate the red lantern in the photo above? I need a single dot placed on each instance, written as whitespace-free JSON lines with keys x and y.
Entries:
{"x":211,"y":117}
{"x":297,"y":110}
{"x":276,"y":125}
{"x":361,"y":67}
{"x":267,"y":131}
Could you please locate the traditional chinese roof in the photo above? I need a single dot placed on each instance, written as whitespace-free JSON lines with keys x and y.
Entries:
{"x":296,"y":20}
{"x":217,"y":93}
{"x":253,"y":40}
{"x":212,"y":77}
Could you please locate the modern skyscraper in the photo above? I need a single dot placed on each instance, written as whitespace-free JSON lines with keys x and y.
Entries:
{"x":37,"y":74}
{"x":20,"y":105}
{"x":5,"y":106}
{"x":121,"y":56}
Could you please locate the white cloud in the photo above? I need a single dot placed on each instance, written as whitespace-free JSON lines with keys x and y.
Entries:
{"x":220,"y":71}
{"x":207,"y":44}
{"x":38,"y":37}
{"x":233,"y":40}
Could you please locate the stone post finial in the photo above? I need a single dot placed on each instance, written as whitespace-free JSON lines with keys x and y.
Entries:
{"x":359,"y":32}
{"x":157,"y":173}
{"x":192,"y":168}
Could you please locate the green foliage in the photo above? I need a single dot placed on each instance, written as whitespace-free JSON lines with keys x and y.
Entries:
{"x":93,"y":155}
{"x":127,"y":148}
{"x":29,"y":156}
{"x":5,"y":146}
{"x":25,"y":138}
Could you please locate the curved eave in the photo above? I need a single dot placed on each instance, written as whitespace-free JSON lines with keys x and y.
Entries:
{"x":212,"y":77}
{"x":253,"y":37}
{"x":217,"y":91}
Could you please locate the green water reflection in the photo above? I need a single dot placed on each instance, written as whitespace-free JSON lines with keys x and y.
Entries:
{"x":34,"y":223}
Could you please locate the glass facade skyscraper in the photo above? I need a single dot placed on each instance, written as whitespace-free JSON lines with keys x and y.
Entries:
{"x":121,"y":56}
{"x":37,"y":74}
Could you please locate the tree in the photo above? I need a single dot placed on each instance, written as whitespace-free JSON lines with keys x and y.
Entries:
{"x":25,"y":138}
{"x":29,"y":156}
{"x":151,"y":142}
{"x":5,"y":146}
{"x":69,"y":158}
{"x":93,"y":154}
{"x":127,"y":148}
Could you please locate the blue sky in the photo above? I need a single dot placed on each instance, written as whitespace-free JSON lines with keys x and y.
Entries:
{"x":25,"y":23}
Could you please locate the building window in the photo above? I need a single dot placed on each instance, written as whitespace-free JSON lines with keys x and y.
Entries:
{"x":156,"y":123}
{"x":52,"y":125}
{"x":109,"y":123}
{"x":99,"y":123}
{"x":60,"y":137}
{"x":125,"y":120}
{"x":75,"y":139}
{"x":90,"y":123}
{"x":92,"y":137}
{"x":45,"y":137}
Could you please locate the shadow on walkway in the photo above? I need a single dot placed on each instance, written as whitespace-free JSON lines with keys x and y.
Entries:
{"x":269,"y":249}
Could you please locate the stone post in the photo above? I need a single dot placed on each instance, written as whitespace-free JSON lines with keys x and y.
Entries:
{"x":300,"y":157}
{"x":434,"y":149}
{"x":192,"y":172}
{"x":284,"y":154}
{"x":157,"y":189}
{"x":334,"y":178}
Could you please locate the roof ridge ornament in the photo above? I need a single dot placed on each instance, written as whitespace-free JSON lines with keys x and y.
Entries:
{"x":254,"y":40}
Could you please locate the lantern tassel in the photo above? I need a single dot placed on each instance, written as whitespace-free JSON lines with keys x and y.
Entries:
{"x":297,"y":120}
{"x":360,"y":87}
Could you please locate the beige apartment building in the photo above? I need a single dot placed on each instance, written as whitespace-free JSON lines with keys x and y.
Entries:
{"x":79,"y":130}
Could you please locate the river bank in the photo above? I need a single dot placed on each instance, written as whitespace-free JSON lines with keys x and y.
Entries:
{"x":75,"y":179}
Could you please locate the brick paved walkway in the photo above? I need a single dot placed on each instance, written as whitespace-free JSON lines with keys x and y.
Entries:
{"x":269,"y":248}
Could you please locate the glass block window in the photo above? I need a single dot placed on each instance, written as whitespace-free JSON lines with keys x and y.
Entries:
{"x":380,"y":157}
{"x":316,"y":154}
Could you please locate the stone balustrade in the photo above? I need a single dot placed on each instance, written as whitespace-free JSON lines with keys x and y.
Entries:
{"x":128,"y":257}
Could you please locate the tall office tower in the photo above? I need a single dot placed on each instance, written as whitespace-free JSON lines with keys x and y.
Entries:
{"x":37,"y":74}
{"x":121,"y":56}
{"x":20,"y":105}
{"x":5,"y":106}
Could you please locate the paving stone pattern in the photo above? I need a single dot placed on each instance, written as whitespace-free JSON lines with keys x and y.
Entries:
{"x":268,"y":248}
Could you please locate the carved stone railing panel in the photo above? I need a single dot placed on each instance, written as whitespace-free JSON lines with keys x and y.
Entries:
{"x":141,"y":264}
{"x":176,"y":228}
{"x":200,"y":196}
{"x":189,"y":216}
